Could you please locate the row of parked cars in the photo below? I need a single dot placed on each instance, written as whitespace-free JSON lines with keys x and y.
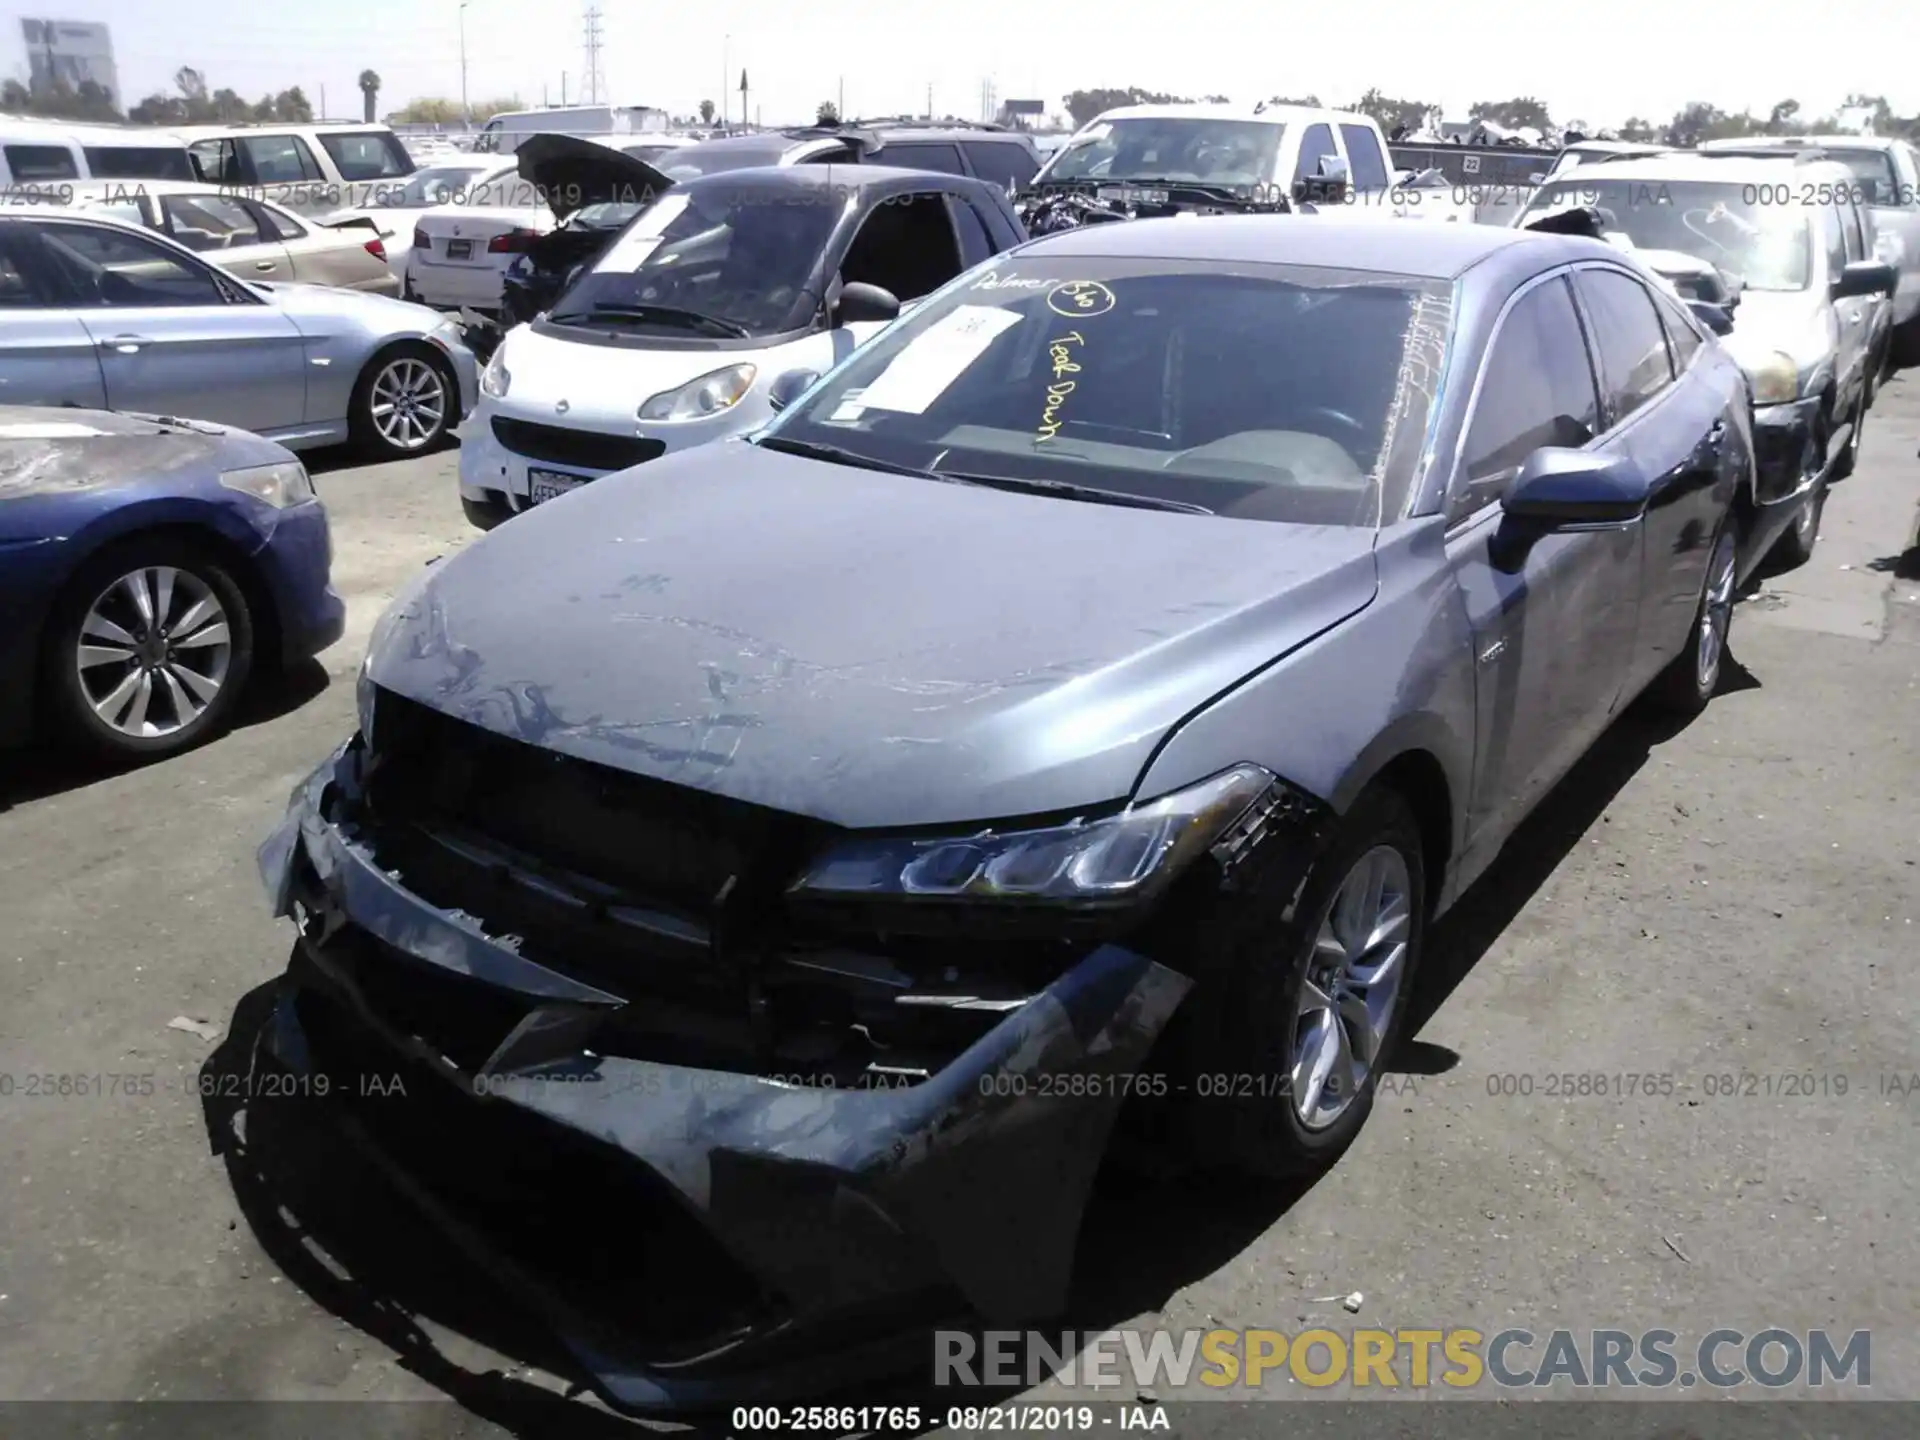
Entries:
{"x":950,"y":690}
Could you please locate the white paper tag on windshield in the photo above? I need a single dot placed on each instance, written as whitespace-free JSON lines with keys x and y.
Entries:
{"x":937,"y":357}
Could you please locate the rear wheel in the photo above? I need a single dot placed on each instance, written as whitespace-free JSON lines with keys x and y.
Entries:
{"x":150,"y":646}
{"x":404,"y":404}
{"x":1687,"y":684}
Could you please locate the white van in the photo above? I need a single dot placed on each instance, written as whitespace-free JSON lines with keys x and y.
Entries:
{"x":49,"y":153}
{"x":502,"y":134}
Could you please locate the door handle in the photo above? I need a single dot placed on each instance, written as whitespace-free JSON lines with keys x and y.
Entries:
{"x":1716,"y":432}
{"x":126,"y":344}
{"x":265,"y":264}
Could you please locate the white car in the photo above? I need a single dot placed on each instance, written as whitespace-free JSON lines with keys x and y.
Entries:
{"x":459,"y":254}
{"x":723,"y":299}
{"x":249,"y":239}
{"x":452,"y":179}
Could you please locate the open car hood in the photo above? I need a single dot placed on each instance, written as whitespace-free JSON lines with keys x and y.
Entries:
{"x":571,"y":173}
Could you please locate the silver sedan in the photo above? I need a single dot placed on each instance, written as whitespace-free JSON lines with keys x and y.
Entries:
{"x":108,"y":316}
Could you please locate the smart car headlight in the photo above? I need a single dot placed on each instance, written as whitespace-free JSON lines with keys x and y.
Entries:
{"x":279,"y":485}
{"x":697,"y":399}
{"x":496,"y":380}
{"x":1116,"y":858}
{"x":1775,"y":379}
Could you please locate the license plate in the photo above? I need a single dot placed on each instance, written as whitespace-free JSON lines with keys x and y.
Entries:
{"x":545,"y":484}
{"x":459,"y":249}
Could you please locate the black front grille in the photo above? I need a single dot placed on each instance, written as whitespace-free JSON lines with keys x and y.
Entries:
{"x":588,"y":449}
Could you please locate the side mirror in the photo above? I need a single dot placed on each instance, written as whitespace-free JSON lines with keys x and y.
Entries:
{"x":860,"y":302}
{"x":789,"y":388}
{"x":1326,"y":185}
{"x":1865,"y":277}
{"x":1716,"y":318}
{"x":1558,"y":488}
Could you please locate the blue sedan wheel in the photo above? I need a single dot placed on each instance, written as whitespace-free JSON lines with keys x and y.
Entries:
{"x":149,"y":649}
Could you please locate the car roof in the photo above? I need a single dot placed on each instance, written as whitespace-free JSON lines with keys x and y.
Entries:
{"x":840,"y":178}
{"x":1805,"y":142}
{"x":1272,"y":114}
{"x":1427,"y":249}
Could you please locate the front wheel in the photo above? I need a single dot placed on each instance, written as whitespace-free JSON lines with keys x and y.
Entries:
{"x":149,"y":647}
{"x":1690,"y":681}
{"x":1301,"y":997}
{"x":405,"y":403}
{"x":1844,"y":463}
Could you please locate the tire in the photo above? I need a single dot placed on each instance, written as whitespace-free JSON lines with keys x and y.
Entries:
{"x":166,"y":696}
{"x":1253,"y":1110}
{"x":1689,"y":682}
{"x":411,"y":377}
{"x":485,"y":514}
{"x":1849,"y":458}
{"x":1795,"y":548}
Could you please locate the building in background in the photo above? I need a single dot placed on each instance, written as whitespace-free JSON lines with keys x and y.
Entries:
{"x":73,"y":51}
{"x":1022,"y":114}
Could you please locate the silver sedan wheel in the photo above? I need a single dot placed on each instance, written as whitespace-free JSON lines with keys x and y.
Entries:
{"x":1716,"y":614}
{"x":153,"y":652}
{"x":408,"y":403}
{"x":1351,"y":986}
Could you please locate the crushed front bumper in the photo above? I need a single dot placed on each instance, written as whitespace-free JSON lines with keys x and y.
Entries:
{"x":839,"y":1208}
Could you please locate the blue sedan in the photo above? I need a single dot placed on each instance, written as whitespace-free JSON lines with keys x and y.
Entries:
{"x":147,"y":567}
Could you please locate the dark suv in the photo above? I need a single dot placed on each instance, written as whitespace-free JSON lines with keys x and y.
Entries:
{"x":1003,"y":158}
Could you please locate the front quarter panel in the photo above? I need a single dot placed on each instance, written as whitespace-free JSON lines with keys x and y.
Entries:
{"x":1329,"y":717}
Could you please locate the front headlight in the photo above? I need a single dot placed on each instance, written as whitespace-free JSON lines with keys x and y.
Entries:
{"x":1117,"y":858}
{"x":1775,"y":379}
{"x":278,"y":485}
{"x":709,"y":395}
{"x":495,"y":379}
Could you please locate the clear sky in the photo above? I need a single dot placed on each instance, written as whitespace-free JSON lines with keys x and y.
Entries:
{"x":1594,"y":63}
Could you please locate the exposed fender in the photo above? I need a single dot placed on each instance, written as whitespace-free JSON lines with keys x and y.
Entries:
{"x":1418,"y":731}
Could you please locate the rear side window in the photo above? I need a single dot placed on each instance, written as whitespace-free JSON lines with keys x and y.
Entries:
{"x":1363,"y":154}
{"x":1634,"y":364}
{"x":1536,"y":390}
{"x":1002,"y":162}
{"x":975,"y":244}
{"x":368,"y":154}
{"x":280,"y":159}
{"x":41,"y":162}
{"x":275,"y":224}
{"x":1874,"y":170}
{"x":139,"y":162}
{"x":1682,"y":335}
{"x":922,"y":156}
{"x":1316,"y":145}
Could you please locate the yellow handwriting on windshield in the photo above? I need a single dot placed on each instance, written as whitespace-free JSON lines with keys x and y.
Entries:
{"x":1060,"y":355}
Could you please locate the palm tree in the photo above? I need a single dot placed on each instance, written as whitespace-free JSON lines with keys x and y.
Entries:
{"x":369,"y":93}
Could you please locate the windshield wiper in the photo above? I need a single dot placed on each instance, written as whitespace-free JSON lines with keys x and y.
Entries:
{"x":839,"y":455}
{"x":1068,"y":490}
{"x":658,"y":314}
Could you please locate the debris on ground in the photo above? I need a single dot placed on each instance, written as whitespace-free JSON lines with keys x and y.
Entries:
{"x":204,"y":1029}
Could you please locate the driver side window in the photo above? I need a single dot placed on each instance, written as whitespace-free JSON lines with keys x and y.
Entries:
{"x":1536,"y":389}
{"x":906,"y":245}
{"x":112,"y":267}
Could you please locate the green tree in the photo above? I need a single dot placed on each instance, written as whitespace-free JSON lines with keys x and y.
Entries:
{"x":827,"y":114}
{"x":1639,"y":130}
{"x":1697,"y":122}
{"x":706,"y":112}
{"x":1784,"y":118}
{"x":1311,"y":101}
{"x":56,"y":99}
{"x":1083,"y":105}
{"x":369,"y":83}
{"x":1390,"y":114}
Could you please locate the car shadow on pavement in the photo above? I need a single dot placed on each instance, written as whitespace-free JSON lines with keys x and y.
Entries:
{"x":338,"y":1229}
{"x":41,"y":770}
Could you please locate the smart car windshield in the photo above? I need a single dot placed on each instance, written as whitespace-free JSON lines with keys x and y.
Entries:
{"x":1730,"y":226}
{"x":1202,"y":150}
{"x":734,"y":254}
{"x":1266,"y":392}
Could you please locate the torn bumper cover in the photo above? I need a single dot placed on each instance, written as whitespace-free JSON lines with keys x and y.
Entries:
{"x":835,"y":1207}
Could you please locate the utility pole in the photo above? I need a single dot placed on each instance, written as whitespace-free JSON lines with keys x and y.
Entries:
{"x":563,"y":89}
{"x":595,"y":83}
{"x":840,"y":105}
{"x":466,"y":111}
{"x":726,"y":79}
{"x":323,"y":102}
{"x":929,"y":99}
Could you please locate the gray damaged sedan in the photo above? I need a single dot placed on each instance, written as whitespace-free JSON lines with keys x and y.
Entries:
{"x":1085,"y":695}
{"x":106,"y":315}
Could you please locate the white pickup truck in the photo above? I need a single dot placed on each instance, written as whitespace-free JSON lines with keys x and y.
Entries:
{"x":1173,"y":159}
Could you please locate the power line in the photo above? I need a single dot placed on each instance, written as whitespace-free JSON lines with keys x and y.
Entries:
{"x":594,"y":90}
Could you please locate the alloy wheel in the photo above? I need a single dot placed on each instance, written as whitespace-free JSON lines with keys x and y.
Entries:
{"x":1351,"y":986}
{"x":153,"y":653}
{"x":1716,"y":615}
{"x":408,"y":403}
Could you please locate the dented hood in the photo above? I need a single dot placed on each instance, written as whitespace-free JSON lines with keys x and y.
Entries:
{"x":571,"y":173}
{"x":864,"y":648}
